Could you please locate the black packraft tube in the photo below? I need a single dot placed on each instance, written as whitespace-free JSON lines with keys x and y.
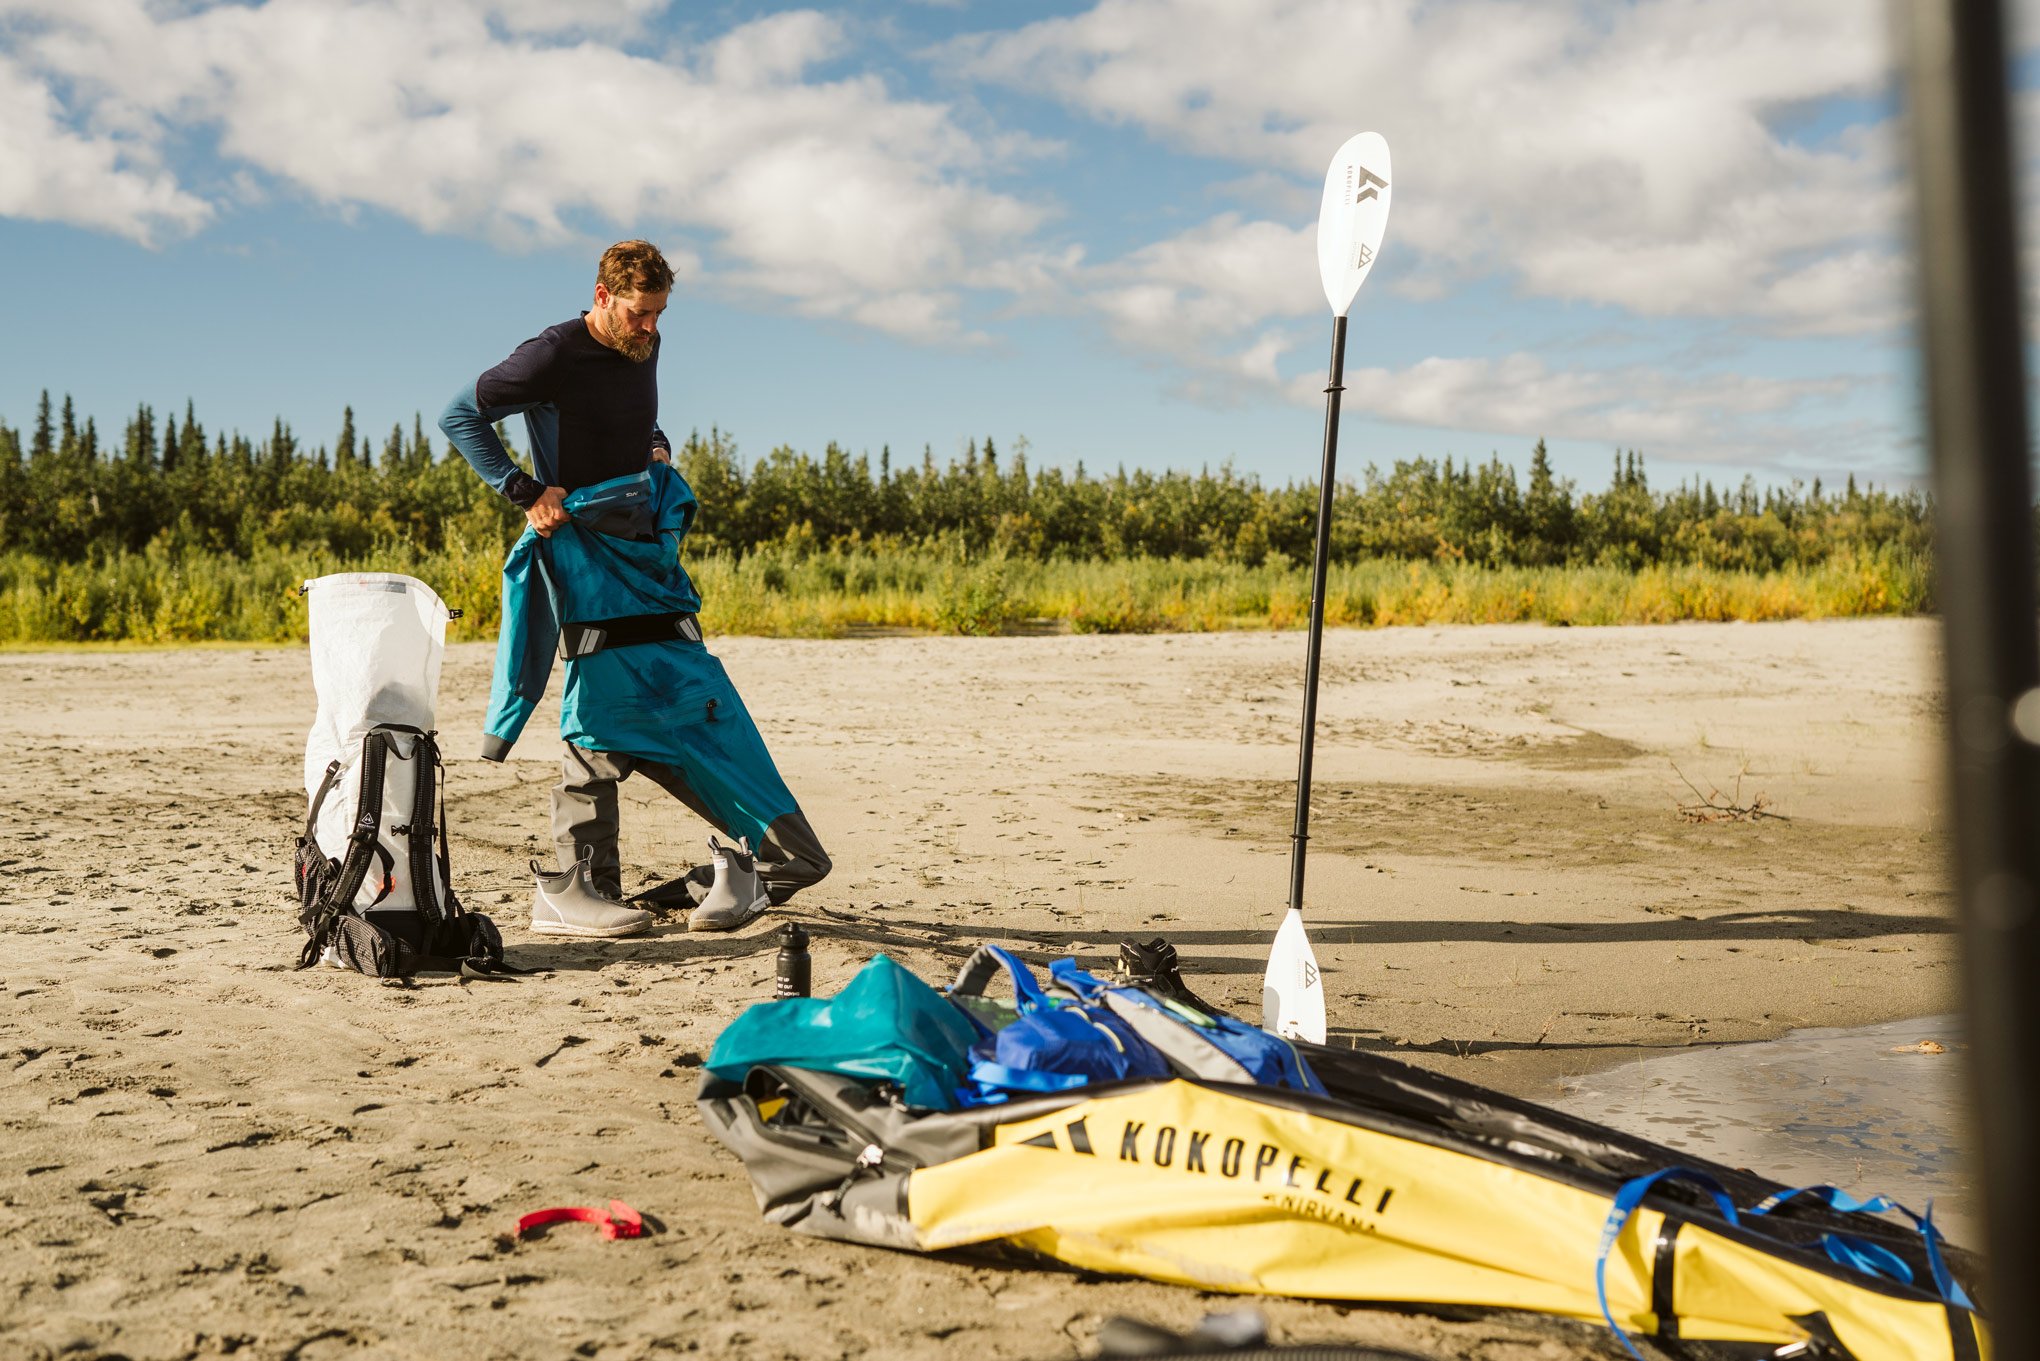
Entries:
{"x":1299,"y":836}
{"x":1970,"y":296}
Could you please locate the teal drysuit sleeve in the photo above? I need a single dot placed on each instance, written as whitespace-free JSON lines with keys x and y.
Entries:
{"x":525,"y":640}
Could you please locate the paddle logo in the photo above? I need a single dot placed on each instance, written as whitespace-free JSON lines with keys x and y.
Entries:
{"x":1352,"y":215}
{"x":1364,"y":232}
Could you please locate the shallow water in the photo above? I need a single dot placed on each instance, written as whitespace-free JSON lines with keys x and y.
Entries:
{"x":1836,"y":1106}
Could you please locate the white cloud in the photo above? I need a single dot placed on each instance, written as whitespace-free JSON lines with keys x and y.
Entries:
{"x":612,"y":18}
{"x":97,"y":178}
{"x":501,"y":118}
{"x":1211,"y":282}
{"x":1204,"y":301}
{"x":773,"y":50}
{"x":1666,"y":159}
{"x":1631,"y":154}
{"x":1700,"y":418}
{"x":1587,"y":150}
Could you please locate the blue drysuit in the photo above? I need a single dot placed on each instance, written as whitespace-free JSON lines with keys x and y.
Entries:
{"x":642,"y":691}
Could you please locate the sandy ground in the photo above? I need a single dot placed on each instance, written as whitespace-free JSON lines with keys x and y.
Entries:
{"x":207,"y":1153}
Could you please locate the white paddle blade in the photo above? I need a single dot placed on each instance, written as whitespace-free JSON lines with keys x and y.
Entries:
{"x":1293,"y":993}
{"x":1352,"y":218}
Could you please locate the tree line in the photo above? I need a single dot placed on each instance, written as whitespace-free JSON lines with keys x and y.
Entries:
{"x":166,"y":486}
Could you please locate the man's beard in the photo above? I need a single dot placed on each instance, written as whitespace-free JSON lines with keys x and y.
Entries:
{"x":635,"y":346}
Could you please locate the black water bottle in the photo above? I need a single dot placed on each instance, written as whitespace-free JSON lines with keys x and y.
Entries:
{"x":793,"y":973}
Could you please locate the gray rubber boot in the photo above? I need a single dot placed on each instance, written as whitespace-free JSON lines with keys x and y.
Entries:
{"x":737,"y":896}
{"x":567,"y":904}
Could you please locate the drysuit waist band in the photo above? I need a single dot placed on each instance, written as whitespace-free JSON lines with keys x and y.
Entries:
{"x":599,"y":635}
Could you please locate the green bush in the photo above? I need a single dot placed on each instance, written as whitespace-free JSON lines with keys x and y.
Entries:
{"x":160,"y":596}
{"x":973,"y":599}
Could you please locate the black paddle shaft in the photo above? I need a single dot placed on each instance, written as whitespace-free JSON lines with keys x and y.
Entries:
{"x":1299,"y":838}
{"x":1967,"y":189}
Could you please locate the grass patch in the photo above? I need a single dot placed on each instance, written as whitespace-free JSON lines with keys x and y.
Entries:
{"x":158,"y":596}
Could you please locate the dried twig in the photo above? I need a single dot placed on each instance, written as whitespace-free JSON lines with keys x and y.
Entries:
{"x":1714,"y":806}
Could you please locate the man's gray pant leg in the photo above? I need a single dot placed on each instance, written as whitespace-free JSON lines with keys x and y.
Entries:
{"x":791,"y":859}
{"x":584,"y":812}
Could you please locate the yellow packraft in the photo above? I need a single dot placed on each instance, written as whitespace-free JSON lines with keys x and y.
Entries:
{"x":1401,"y":1186}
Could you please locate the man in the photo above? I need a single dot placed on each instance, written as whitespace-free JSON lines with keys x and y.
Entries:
{"x":597,"y":572}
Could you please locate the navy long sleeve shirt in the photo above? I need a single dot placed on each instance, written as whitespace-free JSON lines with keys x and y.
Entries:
{"x":590,"y":413}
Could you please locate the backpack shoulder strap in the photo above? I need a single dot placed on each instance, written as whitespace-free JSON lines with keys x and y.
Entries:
{"x":985,"y":964}
{"x":425,"y":774}
{"x":452,"y":903}
{"x":319,"y":799}
{"x":364,"y":842}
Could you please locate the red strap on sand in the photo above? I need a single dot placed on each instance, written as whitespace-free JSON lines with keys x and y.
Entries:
{"x":620,"y":1221}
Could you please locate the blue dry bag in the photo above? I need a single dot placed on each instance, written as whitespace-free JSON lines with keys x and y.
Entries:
{"x":1201,"y":1044}
{"x":1050,"y":1045}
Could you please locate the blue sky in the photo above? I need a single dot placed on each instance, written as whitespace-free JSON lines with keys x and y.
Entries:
{"x":1660,"y":225}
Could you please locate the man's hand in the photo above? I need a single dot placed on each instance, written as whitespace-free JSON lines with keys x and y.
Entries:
{"x":548,"y":512}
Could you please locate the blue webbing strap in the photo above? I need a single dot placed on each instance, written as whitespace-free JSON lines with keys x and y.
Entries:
{"x":1945,"y":1282}
{"x":1025,"y":1079}
{"x":1844,"y":1249}
{"x":1869,"y":1257}
{"x":1027,"y":993}
{"x":1944,"y":1279}
{"x":1627,"y":1199}
{"x":984,"y":1073}
{"x":1865,"y":1256}
{"x":1088,"y":987}
{"x":1834,"y":1197}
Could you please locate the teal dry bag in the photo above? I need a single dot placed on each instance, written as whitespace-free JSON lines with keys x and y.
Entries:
{"x":886,"y":1026}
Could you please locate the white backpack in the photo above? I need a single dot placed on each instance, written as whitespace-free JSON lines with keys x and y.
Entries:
{"x":374,"y":883}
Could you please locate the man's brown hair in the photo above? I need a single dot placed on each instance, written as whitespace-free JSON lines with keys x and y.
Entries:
{"x":634,"y":267}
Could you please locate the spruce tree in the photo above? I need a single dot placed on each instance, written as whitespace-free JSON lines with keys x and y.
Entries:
{"x":1540,"y":471}
{"x":141,"y":437}
{"x":42,"y":444}
{"x":191,"y":445}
